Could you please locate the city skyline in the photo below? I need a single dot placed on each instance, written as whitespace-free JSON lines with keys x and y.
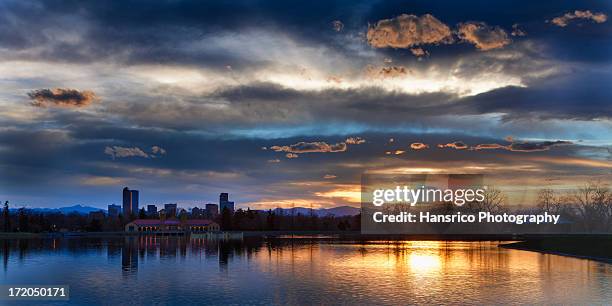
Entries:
{"x":287,"y":104}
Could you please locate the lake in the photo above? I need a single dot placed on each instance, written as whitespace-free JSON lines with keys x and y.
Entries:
{"x":177,"y":271}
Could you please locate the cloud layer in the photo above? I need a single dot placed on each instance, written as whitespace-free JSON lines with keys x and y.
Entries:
{"x":63,"y":97}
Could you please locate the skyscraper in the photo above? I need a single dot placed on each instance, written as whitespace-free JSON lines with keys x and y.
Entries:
{"x":127,"y":202}
{"x":130,"y":202}
{"x":225,"y":203}
{"x":134,"y":194}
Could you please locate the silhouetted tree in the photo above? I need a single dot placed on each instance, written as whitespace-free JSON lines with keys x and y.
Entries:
{"x":23,"y":220}
{"x":142,"y":214}
{"x":95,"y":225}
{"x":7,"y":217}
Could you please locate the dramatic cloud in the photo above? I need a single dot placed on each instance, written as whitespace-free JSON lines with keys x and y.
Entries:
{"x":522,"y":146}
{"x":406,"y":31}
{"x":311,"y":147}
{"x":386,"y":72}
{"x":458,"y":145}
{"x":535,"y":146}
{"x":484,"y":37}
{"x":291,"y":155}
{"x":120,"y":152}
{"x":317,"y":147}
{"x":355,"y":140}
{"x":488,"y":146}
{"x":564,"y":20}
{"x":64,"y":97}
{"x":418,"y":52}
{"x":418,"y":146}
{"x":337,"y":25}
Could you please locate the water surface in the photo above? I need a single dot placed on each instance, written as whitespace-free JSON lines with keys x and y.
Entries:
{"x":177,"y":270}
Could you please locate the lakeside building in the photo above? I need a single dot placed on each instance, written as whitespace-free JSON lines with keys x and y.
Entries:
{"x":114,"y":210}
{"x":224,"y":202}
{"x":130,"y":201}
{"x":171,"y":226}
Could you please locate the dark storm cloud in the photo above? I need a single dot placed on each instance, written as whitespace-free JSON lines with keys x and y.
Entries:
{"x":522,"y":146}
{"x":575,"y":96}
{"x":149,"y":32}
{"x":536,"y":146}
{"x":64,"y":97}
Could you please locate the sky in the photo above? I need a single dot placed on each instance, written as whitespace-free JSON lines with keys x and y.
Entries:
{"x":289,"y":103}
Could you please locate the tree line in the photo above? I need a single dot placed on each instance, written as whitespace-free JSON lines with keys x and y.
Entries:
{"x":27,"y":220}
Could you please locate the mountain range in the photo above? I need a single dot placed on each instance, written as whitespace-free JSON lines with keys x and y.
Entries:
{"x":321,"y":212}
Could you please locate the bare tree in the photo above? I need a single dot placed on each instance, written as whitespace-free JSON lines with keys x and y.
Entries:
{"x":593,"y":202}
{"x":549,"y":202}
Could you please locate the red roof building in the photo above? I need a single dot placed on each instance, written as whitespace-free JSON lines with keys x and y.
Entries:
{"x":172,"y":225}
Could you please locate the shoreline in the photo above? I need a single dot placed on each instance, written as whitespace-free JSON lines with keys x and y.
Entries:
{"x":593,"y":247}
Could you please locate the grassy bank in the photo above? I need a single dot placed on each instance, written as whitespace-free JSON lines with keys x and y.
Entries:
{"x":596,"y":248}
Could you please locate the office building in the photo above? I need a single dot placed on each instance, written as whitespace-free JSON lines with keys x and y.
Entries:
{"x":130,"y":202}
{"x":170,"y":210}
{"x":134,"y":194}
{"x":114,"y":210}
{"x":151,"y":210}
{"x":225,"y":203}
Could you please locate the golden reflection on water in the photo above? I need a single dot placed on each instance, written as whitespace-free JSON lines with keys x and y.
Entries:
{"x":447,"y":272}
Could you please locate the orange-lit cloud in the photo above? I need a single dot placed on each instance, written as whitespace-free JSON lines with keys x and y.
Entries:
{"x":292,"y":155}
{"x":418,"y":146}
{"x":564,"y":20}
{"x":522,"y":146}
{"x":418,"y":52}
{"x":329,"y":176}
{"x":311,"y":147}
{"x":63,"y":97}
{"x":483,"y":36}
{"x":406,"y":31}
{"x":459,"y":145}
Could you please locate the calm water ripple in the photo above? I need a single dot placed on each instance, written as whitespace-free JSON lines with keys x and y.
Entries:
{"x":180,"y":271}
